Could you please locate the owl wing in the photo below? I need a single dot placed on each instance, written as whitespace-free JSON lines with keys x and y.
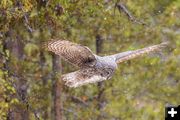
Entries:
{"x":83,"y":77}
{"x":124,"y":56}
{"x":76,"y":54}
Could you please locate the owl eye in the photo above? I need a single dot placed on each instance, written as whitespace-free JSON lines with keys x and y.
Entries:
{"x":107,"y":72}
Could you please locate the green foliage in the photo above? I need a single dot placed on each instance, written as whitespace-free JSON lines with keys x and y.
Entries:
{"x":139,"y":89}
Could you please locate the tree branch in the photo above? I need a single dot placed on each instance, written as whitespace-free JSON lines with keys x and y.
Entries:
{"x":122,"y":8}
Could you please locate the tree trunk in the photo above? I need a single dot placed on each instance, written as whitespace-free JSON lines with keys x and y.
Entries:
{"x":100,"y":99}
{"x":56,"y":88}
{"x":15,"y":46}
{"x":44,"y":78}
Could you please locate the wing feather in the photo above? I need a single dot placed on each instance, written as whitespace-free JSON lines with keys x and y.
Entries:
{"x":124,"y":56}
{"x":76,"y":54}
{"x":83,"y":77}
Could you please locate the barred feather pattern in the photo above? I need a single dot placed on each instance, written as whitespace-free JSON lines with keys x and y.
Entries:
{"x":93,"y":68}
{"x":83,"y":77}
{"x":76,"y":54}
{"x":121,"y":57}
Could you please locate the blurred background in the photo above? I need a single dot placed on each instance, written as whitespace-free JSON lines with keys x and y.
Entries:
{"x":30,"y":88}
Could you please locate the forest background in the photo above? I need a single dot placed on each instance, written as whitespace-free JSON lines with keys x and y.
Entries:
{"x":30,"y":88}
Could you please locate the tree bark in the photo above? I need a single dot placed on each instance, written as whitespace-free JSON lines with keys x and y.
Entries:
{"x":15,"y":46}
{"x":100,"y":98}
{"x":56,"y":88}
{"x":44,"y":78}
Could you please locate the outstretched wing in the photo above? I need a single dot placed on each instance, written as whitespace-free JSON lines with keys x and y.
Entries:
{"x":83,"y":77}
{"x":76,"y":54}
{"x":124,"y":56}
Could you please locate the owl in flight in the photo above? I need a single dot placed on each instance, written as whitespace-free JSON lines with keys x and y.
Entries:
{"x":92,"y":68}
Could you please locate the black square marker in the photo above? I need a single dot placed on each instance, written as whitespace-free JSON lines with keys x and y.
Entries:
{"x":172,"y":113}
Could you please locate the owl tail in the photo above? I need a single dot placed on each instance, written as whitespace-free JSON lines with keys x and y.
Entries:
{"x":78,"y":78}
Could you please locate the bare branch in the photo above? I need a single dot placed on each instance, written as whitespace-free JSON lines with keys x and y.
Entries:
{"x":78,"y":100}
{"x":27,"y":23}
{"x":122,"y":8}
{"x":25,"y":18}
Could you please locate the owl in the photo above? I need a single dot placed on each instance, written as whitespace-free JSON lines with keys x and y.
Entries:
{"x":92,"y":68}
